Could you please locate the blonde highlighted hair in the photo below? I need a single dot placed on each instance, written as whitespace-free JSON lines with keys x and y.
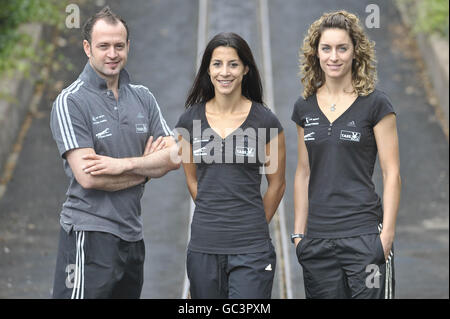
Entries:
{"x":364,"y":73}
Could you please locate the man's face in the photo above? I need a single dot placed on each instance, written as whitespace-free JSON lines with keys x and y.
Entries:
{"x":108,"y":50}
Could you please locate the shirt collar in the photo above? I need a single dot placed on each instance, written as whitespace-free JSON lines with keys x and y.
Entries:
{"x":91,"y":77}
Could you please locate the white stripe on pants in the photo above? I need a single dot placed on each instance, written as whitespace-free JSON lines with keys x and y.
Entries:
{"x":78,"y":287}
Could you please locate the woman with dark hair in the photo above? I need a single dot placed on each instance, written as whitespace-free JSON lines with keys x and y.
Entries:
{"x":229,"y":139}
{"x":343,"y":232}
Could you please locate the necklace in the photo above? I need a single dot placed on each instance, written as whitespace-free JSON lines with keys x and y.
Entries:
{"x":333,"y":107}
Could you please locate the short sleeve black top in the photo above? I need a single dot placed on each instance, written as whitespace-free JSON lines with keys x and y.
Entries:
{"x":342,"y":155}
{"x":229,"y":215}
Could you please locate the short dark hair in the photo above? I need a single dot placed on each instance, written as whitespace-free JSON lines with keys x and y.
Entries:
{"x":104,"y":14}
{"x":203,"y":90}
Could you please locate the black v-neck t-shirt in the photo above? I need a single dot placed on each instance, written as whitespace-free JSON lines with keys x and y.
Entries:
{"x":229,"y":215}
{"x":341,"y":194}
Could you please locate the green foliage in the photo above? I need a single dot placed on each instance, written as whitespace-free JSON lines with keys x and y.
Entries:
{"x":15,"y":46}
{"x":432,"y":17}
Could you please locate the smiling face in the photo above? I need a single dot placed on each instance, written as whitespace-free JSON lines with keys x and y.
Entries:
{"x":335,"y":53}
{"x":226,"y":71}
{"x":108,"y":50}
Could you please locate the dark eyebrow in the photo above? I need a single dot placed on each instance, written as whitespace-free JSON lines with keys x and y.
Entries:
{"x":339,"y":45}
{"x":107,"y":43}
{"x":217,"y":60}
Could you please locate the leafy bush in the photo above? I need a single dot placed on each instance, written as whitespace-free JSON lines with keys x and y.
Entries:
{"x":14,"y":44}
{"x":432,"y":17}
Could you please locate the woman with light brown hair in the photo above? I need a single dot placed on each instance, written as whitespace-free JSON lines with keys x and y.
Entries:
{"x":343,"y":232}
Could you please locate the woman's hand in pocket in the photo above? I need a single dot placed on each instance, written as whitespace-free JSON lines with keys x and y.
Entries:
{"x":386,"y":241}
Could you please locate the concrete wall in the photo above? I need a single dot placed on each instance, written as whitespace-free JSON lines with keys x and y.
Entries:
{"x":18,"y":92}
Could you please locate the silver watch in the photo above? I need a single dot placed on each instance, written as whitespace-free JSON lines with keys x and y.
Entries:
{"x":293,"y":236}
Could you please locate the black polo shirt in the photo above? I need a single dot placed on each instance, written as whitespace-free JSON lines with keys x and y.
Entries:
{"x":229,"y":215}
{"x":342,"y":155}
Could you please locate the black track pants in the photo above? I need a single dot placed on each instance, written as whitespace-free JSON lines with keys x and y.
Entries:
{"x":244,"y":276}
{"x":342,"y":268}
{"x":98,"y":265}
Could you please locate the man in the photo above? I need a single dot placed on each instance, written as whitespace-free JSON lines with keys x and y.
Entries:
{"x":113,"y":138}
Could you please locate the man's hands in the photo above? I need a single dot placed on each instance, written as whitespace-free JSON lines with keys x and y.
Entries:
{"x":156,"y":146}
{"x":105,"y":165}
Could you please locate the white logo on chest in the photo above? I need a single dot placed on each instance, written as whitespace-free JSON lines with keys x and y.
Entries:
{"x":141,"y":128}
{"x":245,"y":151}
{"x":350,"y":136}
{"x":98,"y":119}
{"x":103,"y":134}
{"x":311,"y":121}
{"x":310,"y":136}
